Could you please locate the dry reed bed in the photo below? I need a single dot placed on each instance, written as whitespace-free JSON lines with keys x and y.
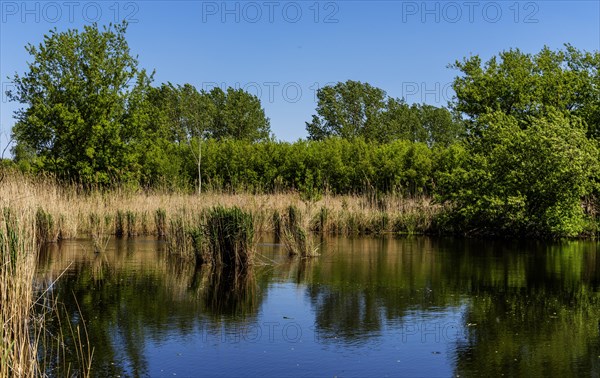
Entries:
{"x":27,"y":347}
{"x":20,"y":331}
{"x":66,"y":211}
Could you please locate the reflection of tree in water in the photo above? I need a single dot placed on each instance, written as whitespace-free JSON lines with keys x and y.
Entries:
{"x":531,"y":303}
{"x":531,"y":314}
{"x":529,"y":308}
{"x":127,"y":300}
{"x":373,"y":282}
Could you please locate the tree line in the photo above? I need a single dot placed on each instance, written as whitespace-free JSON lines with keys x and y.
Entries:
{"x":516,"y":151}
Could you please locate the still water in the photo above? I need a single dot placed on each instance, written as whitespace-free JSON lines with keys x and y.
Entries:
{"x":365,"y":307}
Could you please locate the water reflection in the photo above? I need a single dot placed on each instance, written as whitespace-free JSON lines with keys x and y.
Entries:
{"x":446,"y":306}
{"x":132,"y":293}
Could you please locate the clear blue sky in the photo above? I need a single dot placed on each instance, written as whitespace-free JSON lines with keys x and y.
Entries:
{"x":284,"y":50}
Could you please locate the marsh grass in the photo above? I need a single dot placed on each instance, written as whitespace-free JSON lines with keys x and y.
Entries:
{"x":64,"y":210}
{"x":230,"y":238}
{"x":47,"y":231}
{"x":179,"y":238}
{"x":26,"y":305}
{"x":160,"y":220}
{"x":296,"y":234}
{"x":20,"y":331}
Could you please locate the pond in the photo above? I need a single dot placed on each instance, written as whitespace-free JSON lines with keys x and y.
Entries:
{"x":365,"y":307}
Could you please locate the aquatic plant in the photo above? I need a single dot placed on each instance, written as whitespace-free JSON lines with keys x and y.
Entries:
{"x":296,"y":237}
{"x":229,"y":234}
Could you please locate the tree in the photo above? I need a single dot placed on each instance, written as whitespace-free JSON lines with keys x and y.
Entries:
{"x":525,"y":85}
{"x":85,"y":98}
{"x":354,"y":109}
{"x":238,"y":115}
{"x":347,"y":110}
{"x":198,"y":113}
{"x":419,"y":123}
{"x":520,"y":181}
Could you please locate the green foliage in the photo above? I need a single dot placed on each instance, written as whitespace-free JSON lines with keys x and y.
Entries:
{"x":524,"y":85}
{"x":333,"y":165}
{"x":529,"y":161}
{"x":229,"y":235}
{"x":85,"y":97}
{"x":354,"y":109}
{"x":183,"y":113}
{"x":347,"y":109}
{"x":524,"y":181}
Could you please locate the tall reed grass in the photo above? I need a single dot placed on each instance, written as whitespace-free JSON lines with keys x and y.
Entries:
{"x":20,"y":332}
{"x":229,"y":237}
{"x":296,"y":234}
{"x":65,"y":210}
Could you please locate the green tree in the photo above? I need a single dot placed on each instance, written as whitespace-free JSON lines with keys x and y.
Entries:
{"x":524,"y":181}
{"x":238,"y":115}
{"x":354,"y":109}
{"x":85,"y":98}
{"x":523,"y":85}
{"x":348,"y":110}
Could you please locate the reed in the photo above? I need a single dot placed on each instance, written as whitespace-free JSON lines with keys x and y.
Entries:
{"x":296,"y":236}
{"x":160,"y":220}
{"x":20,"y":331}
{"x":64,"y":210}
{"x":120,"y":224}
{"x":276,"y":219}
{"x":179,"y":239}
{"x":46,"y":227}
{"x":132,"y":224}
{"x":229,"y":234}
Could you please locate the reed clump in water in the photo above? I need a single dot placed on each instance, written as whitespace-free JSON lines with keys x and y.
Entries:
{"x":179,"y":238}
{"x":296,"y":235}
{"x":100,"y":237}
{"x":46,"y":227}
{"x":229,"y":235}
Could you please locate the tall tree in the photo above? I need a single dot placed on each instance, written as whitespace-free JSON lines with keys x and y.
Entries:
{"x":82,"y":93}
{"x":348,"y":110}
{"x":354,"y":109}
{"x":198,"y":113}
{"x":525,"y":85}
{"x":239,"y":115}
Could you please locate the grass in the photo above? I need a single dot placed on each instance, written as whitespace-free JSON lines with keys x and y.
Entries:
{"x":20,"y":331}
{"x":65,"y":210}
{"x":229,"y":235}
{"x":296,"y":235}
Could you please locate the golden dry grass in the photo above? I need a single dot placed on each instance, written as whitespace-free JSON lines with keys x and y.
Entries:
{"x":71,"y":212}
{"x":20,"y":330}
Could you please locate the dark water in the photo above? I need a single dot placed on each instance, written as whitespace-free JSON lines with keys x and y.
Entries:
{"x":365,"y":307}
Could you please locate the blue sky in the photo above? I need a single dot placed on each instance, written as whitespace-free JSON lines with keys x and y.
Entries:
{"x":283,"y":51}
